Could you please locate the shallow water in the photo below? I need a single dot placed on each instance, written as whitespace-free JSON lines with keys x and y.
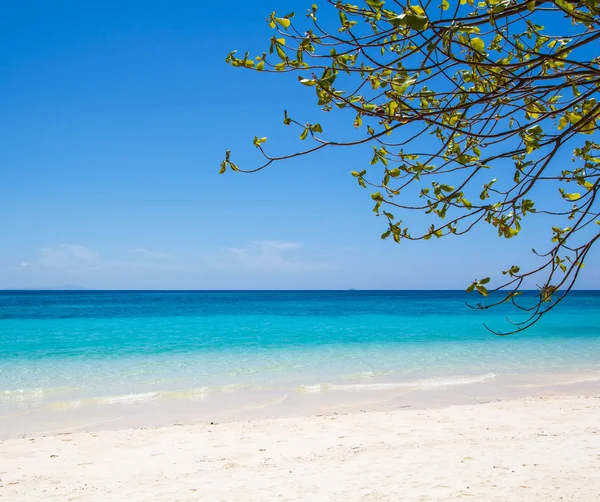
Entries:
{"x":71,"y":350}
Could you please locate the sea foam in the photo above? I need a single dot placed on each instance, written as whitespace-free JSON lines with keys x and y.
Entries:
{"x":431,"y":383}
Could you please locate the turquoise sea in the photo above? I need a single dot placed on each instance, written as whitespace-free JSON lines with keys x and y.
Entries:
{"x":65,"y":349}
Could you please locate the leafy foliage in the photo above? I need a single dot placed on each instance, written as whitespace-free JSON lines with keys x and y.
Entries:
{"x":449,"y":95}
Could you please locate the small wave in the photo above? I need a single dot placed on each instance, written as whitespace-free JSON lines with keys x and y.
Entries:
{"x":35,"y":394}
{"x":313,"y":389}
{"x":432,"y":383}
{"x":158,"y":381}
{"x":366,"y":374}
{"x":581,"y":380}
{"x":233,"y":387}
{"x":199,"y":393}
{"x":455,"y":381}
{"x":263,"y":369}
{"x":143,"y":397}
{"x":128,"y":398}
{"x":66,"y":405}
{"x":573,"y":381}
{"x":195,"y":393}
{"x":124,"y":399}
{"x":21,"y":394}
{"x":202,"y":392}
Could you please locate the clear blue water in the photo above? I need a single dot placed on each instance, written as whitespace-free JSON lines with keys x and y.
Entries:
{"x":79,"y":344}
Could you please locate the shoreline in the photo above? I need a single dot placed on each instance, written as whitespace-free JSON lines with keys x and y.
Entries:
{"x":534,"y":448}
{"x":156,"y":409}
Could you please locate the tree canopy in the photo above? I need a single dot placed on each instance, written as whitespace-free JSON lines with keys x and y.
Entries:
{"x":467,"y":105}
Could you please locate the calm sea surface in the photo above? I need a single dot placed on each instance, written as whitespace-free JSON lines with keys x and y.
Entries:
{"x":119,"y":346}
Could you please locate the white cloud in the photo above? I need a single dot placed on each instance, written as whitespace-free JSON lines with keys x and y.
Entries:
{"x":67,"y":255}
{"x":267,"y":256}
{"x":276,"y":245}
{"x":237,"y":266}
{"x":146,"y":253}
{"x":76,"y":258}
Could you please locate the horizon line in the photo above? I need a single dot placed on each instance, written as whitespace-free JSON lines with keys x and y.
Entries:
{"x":75,"y":290}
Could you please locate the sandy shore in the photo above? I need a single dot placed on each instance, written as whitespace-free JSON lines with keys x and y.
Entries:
{"x":529,"y":449}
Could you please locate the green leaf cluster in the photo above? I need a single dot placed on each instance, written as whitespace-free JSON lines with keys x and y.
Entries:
{"x":469,"y":108}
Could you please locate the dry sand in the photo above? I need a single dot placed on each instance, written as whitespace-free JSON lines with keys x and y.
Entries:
{"x":532,"y":449}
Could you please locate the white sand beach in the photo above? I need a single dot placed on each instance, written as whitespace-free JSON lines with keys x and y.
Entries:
{"x":542,"y":448}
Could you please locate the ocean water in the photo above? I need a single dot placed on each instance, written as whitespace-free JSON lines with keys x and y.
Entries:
{"x":66,"y":349}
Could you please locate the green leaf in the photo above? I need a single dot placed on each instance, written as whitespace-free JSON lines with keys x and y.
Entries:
{"x":531,"y":5}
{"x":376,"y":4}
{"x":512,"y":271}
{"x":401,"y":87}
{"x":258,"y":141}
{"x":563,"y":122}
{"x":304,"y":134}
{"x":587,"y":184}
{"x":415,"y":21}
{"x":481,"y":289}
{"x":531,"y":143}
{"x":280,"y":52}
{"x":307,"y":81}
{"x":565,"y":5}
{"x":283,"y":22}
{"x":445,"y":5}
{"x":478,"y":44}
{"x":569,"y":196}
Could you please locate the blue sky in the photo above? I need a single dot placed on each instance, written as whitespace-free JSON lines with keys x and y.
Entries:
{"x":115,"y":117}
